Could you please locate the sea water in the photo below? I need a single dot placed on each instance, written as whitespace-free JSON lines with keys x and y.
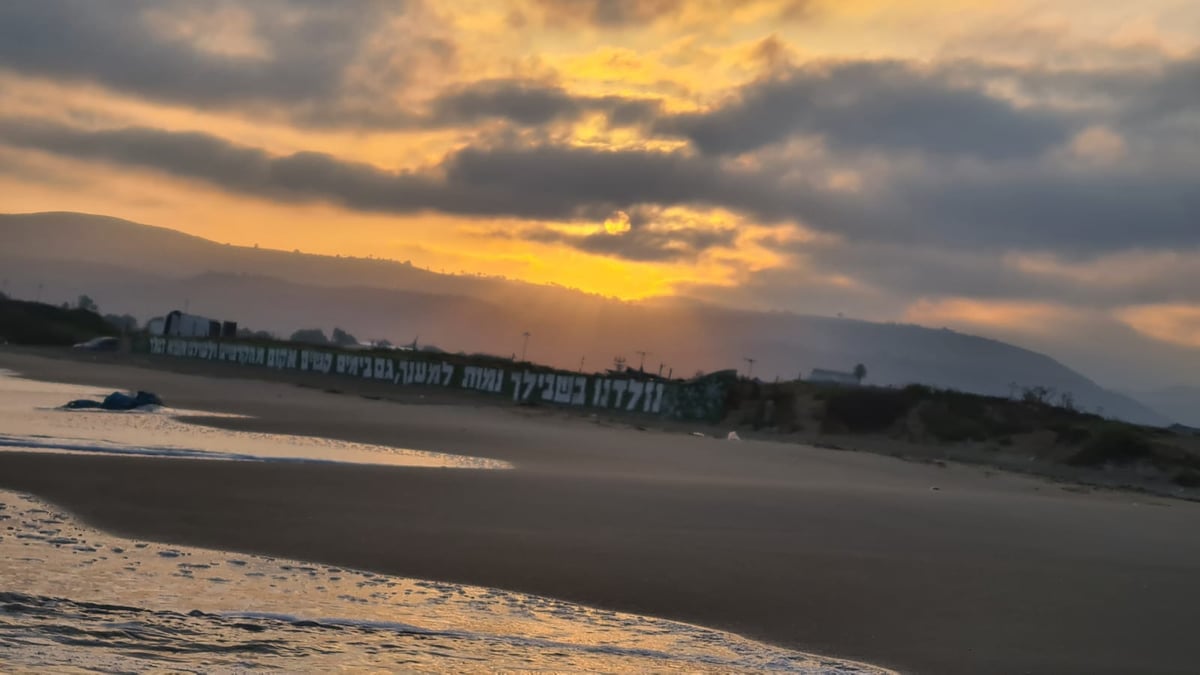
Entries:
{"x":32,"y":417}
{"x":74,"y":599}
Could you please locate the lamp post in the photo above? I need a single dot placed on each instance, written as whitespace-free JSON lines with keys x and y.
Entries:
{"x":642,"y":362}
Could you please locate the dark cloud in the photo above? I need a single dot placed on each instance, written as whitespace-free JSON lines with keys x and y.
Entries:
{"x":639,"y":243}
{"x":1035,"y":207}
{"x":538,"y":182}
{"x":1072,"y":211}
{"x":616,"y":14}
{"x":1172,"y":91}
{"x":531,"y":104}
{"x":889,"y":105}
{"x":319,"y":63}
{"x":311,"y":51}
{"x":611,"y":13}
{"x":308,"y":46}
{"x":1137,"y":95}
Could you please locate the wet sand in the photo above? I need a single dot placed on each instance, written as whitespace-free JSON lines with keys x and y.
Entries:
{"x":847,"y":554}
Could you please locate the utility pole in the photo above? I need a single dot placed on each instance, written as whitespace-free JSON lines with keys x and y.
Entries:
{"x":581,"y":360}
{"x":525,"y":345}
{"x":750,"y":371}
{"x":642,"y":362}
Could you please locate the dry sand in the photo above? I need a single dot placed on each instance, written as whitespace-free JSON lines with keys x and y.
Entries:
{"x":918,"y":567}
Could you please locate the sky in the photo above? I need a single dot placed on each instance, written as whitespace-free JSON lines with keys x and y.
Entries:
{"x":1028,"y":170}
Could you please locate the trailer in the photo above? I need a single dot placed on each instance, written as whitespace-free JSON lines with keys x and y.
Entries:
{"x":178,"y":324}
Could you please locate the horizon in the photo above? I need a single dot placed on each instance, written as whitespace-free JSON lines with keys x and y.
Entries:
{"x":721,"y":335}
{"x":34,"y":286}
{"x":1018,"y":171}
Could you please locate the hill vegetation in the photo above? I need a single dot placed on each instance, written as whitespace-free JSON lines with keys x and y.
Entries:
{"x":1032,"y":431}
{"x":147,"y":271}
{"x":36,"y":323}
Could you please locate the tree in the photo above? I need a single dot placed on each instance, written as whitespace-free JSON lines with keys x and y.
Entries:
{"x":126,"y":323}
{"x":343,"y":339}
{"x":312,"y":336}
{"x":87,"y":304}
{"x":246,"y":333}
{"x":1039,"y":395}
{"x":860,"y":373}
{"x":1066,"y":400}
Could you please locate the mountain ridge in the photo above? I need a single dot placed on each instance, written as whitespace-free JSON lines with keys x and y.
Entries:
{"x":147,"y":270}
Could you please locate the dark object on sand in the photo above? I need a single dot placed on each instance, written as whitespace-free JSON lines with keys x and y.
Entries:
{"x":100,"y":344}
{"x":117,"y":401}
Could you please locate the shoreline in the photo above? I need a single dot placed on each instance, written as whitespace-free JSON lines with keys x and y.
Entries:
{"x":87,"y":579}
{"x":1015,"y":461}
{"x":852,"y":555}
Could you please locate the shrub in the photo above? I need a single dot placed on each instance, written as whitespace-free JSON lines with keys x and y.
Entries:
{"x":1069,"y":435}
{"x":1115,"y":445}
{"x":35,"y":323}
{"x":1187,"y":478}
{"x":866,"y":409}
{"x":946,"y":424}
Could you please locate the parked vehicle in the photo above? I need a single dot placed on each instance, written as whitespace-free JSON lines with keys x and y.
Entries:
{"x":100,"y":344}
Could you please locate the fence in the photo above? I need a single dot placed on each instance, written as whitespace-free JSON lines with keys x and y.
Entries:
{"x":697,"y":399}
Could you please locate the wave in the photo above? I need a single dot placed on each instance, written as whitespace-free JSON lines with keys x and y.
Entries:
{"x":43,"y":443}
{"x":72,"y":598}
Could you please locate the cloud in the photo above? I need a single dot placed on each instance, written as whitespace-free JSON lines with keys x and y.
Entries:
{"x":607,"y":13}
{"x":625,"y":14}
{"x":315,"y":56}
{"x":644,"y":234}
{"x":533,"y":182}
{"x":1069,"y":211}
{"x":531,"y":103}
{"x":1009,"y":315}
{"x":1030,"y":208}
{"x":854,"y":105}
{"x":640,"y":244}
{"x":1173,"y":323}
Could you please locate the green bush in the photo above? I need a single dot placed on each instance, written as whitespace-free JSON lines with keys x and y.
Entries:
{"x":1115,"y":445}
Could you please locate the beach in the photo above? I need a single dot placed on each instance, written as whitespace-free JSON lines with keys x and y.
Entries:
{"x":918,"y":567}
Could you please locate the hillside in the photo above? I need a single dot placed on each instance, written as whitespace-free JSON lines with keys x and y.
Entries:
{"x":1180,"y":403}
{"x":35,"y":323}
{"x":1027,"y":434}
{"x":147,"y":271}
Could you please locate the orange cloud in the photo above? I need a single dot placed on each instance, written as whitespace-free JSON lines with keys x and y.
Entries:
{"x":1015,"y":315}
{"x":1177,"y":324}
